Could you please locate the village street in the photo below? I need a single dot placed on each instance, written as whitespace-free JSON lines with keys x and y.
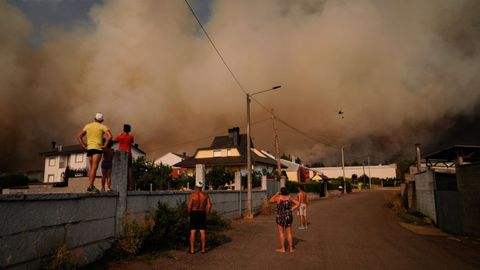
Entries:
{"x":356,"y":231}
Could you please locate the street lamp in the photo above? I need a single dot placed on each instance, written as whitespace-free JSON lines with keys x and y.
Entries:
{"x":249,"y":159}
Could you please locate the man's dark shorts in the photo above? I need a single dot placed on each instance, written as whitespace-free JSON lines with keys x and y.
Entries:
{"x":198,"y":220}
{"x":91,"y":152}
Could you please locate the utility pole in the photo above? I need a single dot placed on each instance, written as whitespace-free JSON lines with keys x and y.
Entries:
{"x":277,"y":148}
{"x":343,"y":169}
{"x":369,"y":174}
{"x":249,"y":164}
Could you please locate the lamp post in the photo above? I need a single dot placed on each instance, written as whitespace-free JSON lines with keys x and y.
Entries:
{"x":249,"y":158}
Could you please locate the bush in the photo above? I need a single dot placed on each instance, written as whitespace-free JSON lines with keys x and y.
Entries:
{"x":13,"y":180}
{"x":218,"y":177}
{"x":172,"y":228}
{"x":316,"y":187}
{"x":145,"y":172}
{"x":133,"y":236}
{"x":63,"y":259}
{"x":181,"y":182}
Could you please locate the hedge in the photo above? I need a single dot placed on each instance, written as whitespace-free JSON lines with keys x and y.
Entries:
{"x":13,"y":180}
{"x":316,"y":187}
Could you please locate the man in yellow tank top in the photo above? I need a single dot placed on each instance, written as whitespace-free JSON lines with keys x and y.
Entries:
{"x":95,"y":143}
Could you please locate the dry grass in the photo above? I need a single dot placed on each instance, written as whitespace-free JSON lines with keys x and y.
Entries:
{"x":135,"y":231}
{"x":64,"y":259}
{"x":268,"y":208}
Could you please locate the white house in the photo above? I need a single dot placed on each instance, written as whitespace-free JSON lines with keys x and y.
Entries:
{"x":74,"y":156}
{"x":388,"y":171}
{"x":170,"y":159}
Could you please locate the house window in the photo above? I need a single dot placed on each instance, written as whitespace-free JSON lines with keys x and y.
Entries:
{"x":51,"y":162}
{"x":63,"y":162}
{"x":79,"y":158}
{"x":229,"y":152}
{"x":217,"y":153}
{"x":51,"y":178}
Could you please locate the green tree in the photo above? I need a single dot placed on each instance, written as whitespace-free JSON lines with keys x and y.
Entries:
{"x":145,"y":172}
{"x":403,"y":166}
{"x":218,"y":177}
{"x":256,"y":179}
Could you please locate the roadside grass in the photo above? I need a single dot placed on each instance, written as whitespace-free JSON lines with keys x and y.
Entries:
{"x":406,"y":216}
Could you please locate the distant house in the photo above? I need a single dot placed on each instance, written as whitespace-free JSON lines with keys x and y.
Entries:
{"x":295,"y":172}
{"x":230,"y":152}
{"x":74,"y":156}
{"x":388,"y":171}
{"x":170,"y":159}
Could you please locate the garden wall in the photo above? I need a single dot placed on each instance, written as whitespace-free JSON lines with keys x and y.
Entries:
{"x":32,"y":226}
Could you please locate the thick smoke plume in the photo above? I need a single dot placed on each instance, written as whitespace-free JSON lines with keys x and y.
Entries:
{"x":401,"y":71}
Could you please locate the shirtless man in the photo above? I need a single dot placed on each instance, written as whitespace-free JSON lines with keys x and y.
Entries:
{"x":302,"y":198}
{"x":199,"y":206}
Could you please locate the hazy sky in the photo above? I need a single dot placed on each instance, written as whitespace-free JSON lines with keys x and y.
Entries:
{"x":403,"y":72}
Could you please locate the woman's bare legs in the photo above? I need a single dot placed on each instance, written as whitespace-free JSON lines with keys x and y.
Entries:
{"x":289,"y":237}
{"x":109,"y":179}
{"x":282,"y":239}
{"x":104,"y":177}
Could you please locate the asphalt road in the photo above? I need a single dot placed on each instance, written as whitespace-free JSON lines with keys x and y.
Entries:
{"x":355,"y":231}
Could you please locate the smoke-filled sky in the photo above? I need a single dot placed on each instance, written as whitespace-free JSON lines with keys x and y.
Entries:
{"x":403,"y":72}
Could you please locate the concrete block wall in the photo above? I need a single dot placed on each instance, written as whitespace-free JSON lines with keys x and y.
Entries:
{"x":33,"y":226}
{"x":425,"y":194}
{"x":226,"y":202}
{"x":468,"y":181}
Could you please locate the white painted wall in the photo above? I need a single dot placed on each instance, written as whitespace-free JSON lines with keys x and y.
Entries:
{"x":378,"y":171}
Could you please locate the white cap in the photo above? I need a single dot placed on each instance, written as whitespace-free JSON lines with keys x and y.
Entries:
{"x":99,"y":117}
{"x":199,"y":184}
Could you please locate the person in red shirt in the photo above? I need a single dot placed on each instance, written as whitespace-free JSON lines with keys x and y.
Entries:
{"x":125,"y":142}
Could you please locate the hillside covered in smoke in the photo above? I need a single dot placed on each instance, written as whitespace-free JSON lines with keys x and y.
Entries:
{"x":402,"y":71}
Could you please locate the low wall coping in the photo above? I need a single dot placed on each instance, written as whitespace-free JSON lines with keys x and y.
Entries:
{"x":53,"y":196}
{"x":175,"y":192}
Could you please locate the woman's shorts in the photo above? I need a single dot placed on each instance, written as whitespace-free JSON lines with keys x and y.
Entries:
{"x":91,"y":152}
{"x":106,"y":164}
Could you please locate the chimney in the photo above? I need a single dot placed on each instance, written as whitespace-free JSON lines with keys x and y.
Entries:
{"x":54,"y":143}
{"x":293,"y":158}
{"x":234,"y":134}
{"x":184,"y":155}
{"x":419,"y":162}
{"x":60,"y":148}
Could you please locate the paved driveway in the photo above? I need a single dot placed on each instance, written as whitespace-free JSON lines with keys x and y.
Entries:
{"x":352,"y":232}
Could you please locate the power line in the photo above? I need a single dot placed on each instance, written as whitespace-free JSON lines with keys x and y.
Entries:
{"x":215,"y":47}
{"x":240,"y":85}
{"x":201,"y":138}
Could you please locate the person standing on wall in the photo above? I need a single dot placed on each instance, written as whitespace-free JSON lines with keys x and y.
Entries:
{"x":95,"y":143}
{"x":106,"y":165}
{"x":125,"y":141}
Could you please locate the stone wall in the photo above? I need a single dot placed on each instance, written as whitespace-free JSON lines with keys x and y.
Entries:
{"x":425,"y":194}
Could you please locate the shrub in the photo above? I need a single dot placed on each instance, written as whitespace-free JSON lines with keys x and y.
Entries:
{"x":181,"y":182}
{"x":63,"y":259}
{"x":133,"y":236}
{"x":316,"y":187}
{"x":218,"y":177}
{"x":172,"y":227}
{"x":146,"y":172}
